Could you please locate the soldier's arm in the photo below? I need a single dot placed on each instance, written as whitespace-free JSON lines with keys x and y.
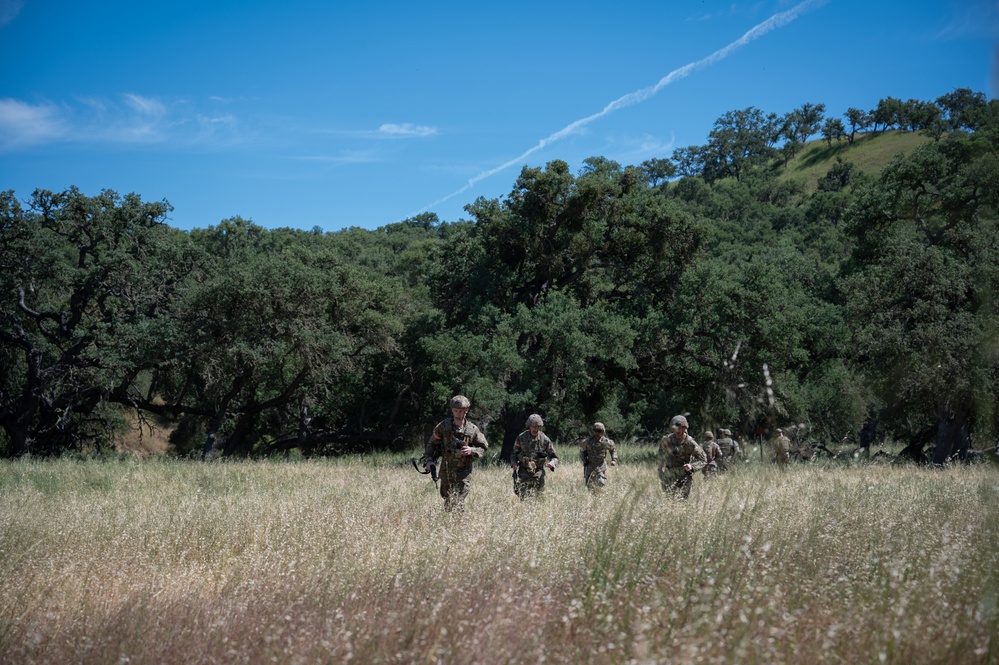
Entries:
{"x":697,"y":458}
{"x":478,"y":444}
{"x":515,"y":454}
{"x":613,"y":451}
{"x":432,"y":449}
{"x":552,"y":455}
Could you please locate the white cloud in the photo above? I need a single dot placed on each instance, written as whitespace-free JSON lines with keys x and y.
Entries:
{"x":144,"y":120}
{"x":26,"y":124}
{"x":128,"y":119}
{"x":227,"y":120}
{"x":9,"y":9}
{"x":637,"y":149}
{"x":974,"y":19}
{"x":344,"y":157}
{"x":406,"y":130}
{"x":145,"y":106}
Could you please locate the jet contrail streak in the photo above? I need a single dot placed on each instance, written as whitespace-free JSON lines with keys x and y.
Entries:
{"x":776,"y":21}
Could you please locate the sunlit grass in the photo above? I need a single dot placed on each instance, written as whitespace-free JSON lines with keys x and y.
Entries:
{"x":354,"y":561}
{"x":869,"y":153}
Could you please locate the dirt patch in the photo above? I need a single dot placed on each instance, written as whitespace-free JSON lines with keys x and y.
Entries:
{"x":146,"y":439}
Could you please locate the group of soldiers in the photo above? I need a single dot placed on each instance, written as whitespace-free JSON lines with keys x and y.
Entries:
{"x":457,"y":443}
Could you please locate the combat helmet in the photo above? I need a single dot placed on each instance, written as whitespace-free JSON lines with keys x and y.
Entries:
{"x":534,"y":420}
{"x":678,"y":421}
{"x":460,"y":402}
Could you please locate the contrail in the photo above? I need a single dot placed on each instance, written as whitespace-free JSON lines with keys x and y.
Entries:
{"x":776,"y":21}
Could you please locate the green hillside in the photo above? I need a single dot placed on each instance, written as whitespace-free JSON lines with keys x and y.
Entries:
{"x":868,"y":153}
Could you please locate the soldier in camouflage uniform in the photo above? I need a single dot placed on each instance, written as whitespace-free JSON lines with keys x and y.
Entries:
{"x":712,"y":454}
{"x":802,"y":448}
{"x":533,"y":454}
{"x":782,"y":449}
{"x":729,"y":449}
{"x":679,"y":457}
{"x":458,"y":443}
{"x":594,"y":452}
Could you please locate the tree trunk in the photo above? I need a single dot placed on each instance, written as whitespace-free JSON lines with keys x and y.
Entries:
{"x":952,"y":435}
{"x":514,"y":426}
{"x":18,"y":425}
{"x":211,"y":444}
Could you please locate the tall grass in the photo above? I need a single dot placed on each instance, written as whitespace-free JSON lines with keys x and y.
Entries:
{"x":355,"y":561}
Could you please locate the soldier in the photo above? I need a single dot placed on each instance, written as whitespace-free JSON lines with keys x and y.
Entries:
{"x":679,"y":456}
{"x":782,"y":449}
{"x":458,"y":443}
{"x":729,"y":449}
{"x":802,"y":448}
{"x":594,"y":452}
{"x":712,"y":453}
{"x":533,"y":454}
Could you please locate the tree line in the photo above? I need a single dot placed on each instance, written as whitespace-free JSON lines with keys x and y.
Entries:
{"x":709,"y":283}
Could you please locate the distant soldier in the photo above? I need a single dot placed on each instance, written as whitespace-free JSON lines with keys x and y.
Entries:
{"x":533,"y":454}
{"x":458,"y":443}
{"x":801,"y":448}
{"x":782,"y":449}
{"x":712,"y":454}
{"x":729,"y":449}
{"x":594,"y":453}
{"x":679,"y":457}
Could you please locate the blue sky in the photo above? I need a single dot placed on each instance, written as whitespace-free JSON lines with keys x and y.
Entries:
{"x":302,"y":114}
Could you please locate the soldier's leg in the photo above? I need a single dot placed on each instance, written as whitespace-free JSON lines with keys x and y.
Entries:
{"x":677,"y":484}
{"x":454,"y":489}
{"x":528,"y":489}
{"x":446,"y":481}
{"x":460,"y":484}
{"x":685,"y":484}
{"x":598,"y":478}
{"x":669,"y":480}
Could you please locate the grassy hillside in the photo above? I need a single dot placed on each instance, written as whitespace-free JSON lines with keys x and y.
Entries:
{"x":868,"y":154}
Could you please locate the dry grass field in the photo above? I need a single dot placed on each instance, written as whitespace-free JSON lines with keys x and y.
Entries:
{"x":353,"y":560}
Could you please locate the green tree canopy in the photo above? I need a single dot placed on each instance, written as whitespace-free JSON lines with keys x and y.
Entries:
{"x":84,"y":279}
{"x":922,"y":284}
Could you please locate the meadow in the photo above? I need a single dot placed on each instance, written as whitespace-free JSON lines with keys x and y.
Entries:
{"x":353,"y":560}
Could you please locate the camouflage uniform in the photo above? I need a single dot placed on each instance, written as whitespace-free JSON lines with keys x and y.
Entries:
{"x":782,"y":449}
{"x":673,"y":454}
{"x":729,"y":449}
{"x":533,"y":454}
{"x":803,"y":450}
{"x":456,"y":469}
{"x":712,"y":454}
{"x":594,"y":452}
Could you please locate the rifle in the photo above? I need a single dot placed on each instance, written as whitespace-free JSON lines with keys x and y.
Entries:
{"x":540,"y":457}
{"x":431,"y":469}
{"x":516,"y":482}
{"x":685,"y":479}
